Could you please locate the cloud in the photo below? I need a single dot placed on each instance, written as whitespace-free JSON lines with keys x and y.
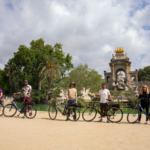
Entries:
{"x":89,"y":30}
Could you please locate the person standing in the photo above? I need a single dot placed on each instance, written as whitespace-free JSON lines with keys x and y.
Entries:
{"x":71,"y":96}
{"x":26,"y":90}
{"x":144,"y":96}
{"x":104,"y":94}
{"x":1,"y":94}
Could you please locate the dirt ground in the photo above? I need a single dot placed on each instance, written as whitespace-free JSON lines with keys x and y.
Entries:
{"x":41,"y":133}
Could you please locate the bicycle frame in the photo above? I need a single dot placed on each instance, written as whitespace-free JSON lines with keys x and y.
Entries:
{"x":139,"y":106}
{"x":57,"y":107}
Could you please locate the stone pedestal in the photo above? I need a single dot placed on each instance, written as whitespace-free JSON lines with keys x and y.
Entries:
{"x":120,"y":56}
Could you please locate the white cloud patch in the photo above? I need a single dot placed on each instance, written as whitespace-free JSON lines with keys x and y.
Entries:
{"x":89,"y":30}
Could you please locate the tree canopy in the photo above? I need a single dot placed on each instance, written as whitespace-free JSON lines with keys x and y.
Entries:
{"x":144,"y":74}
{"x":26,"y":62}
{"x":83,"y":76}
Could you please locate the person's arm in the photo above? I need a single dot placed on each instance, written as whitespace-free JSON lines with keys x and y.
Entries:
{"x":1,"y":94}
{"x":67,"y":95}
{"x":97,"y":95}
{"x":76,"y":96}
{"x":109,"y":95}
{"x":18,"y":92}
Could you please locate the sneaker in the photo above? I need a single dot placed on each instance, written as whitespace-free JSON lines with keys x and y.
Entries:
{"x":30,"y":113}
{"x":100,"y":120}
{"x":145,"y":122}
{"x":24,"y":117}
{"x":108,"y":121}
{"x":67,"y":119}
{"x":138,"y":121}
{"x":74,"y":117}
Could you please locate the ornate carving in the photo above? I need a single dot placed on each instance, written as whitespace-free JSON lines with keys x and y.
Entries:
{"x":119,"y":50}
{"x":120,"y":85}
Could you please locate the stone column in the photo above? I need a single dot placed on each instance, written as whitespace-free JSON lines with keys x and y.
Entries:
{"x":127,"y":75}
{"x":113,"y":74}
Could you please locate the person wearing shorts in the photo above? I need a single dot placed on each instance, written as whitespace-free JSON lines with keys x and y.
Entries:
{"x":104,"y":95}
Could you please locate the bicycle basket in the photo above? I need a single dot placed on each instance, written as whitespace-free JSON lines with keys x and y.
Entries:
{"x":115,"y":105}
{"x":73,"y":104}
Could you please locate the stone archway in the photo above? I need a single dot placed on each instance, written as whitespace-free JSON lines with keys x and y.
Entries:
{"x":108,"y":79}
{"x":133,"y":78}
{"x":120,"y":70}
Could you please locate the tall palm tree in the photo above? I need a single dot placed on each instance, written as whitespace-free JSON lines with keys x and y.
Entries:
{"x":50,"y":68}
{"x":9,"y":70}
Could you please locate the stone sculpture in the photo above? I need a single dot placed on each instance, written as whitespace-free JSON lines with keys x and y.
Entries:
{"x":85,"y":93}
{"x":120,"y":85}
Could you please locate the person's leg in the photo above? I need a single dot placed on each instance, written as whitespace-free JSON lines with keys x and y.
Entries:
{"x":139,"y":119}
{"x":68,"y":112}
{"x":147,"y":111}
{"x":22,"y":109}
{"x":101,"y":110}
{"x":106,"y":112}
{"x":29,"y":107}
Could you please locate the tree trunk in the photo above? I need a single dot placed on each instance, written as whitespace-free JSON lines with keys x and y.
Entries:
{"x":11,"y":85}
{"x":49,"y":83}
{"x":39,"y":87}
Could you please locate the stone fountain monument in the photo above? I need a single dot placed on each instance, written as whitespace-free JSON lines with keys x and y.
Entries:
{"x":115,"y":80}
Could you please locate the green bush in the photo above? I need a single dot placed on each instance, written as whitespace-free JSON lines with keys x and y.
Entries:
{"x":81,"y":102}
{"x":39,"y":96}
{"x":134,"y":101}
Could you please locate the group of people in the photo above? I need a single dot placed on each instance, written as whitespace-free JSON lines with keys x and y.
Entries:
{"x":104,"y":94}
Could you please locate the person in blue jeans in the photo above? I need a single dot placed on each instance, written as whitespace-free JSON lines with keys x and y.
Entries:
{"x":71,"y":96}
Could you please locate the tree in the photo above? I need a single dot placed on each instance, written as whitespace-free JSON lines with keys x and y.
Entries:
{"x":50,"y":68}
{"x":26,"y":61}
{"x":4,"y":82}
{"x":144,"y":74}
{"x":84,"y":77}
{"x":9,"y":70}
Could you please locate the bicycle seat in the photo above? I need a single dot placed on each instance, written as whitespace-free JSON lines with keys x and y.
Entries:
{"x":115,"y":105}
{"x":73,"y":104}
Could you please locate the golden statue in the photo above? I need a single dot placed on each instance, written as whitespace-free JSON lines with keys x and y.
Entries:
{"x":119,"y":50}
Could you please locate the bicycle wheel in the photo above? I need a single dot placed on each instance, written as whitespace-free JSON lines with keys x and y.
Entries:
{"x":9,"y":110}
{"x":89,"y":114}
{"x":114,"y":114}
{"x":1,"y":109}
{"x":133,"y":115}
{"x":52,"y":111}
{"x":30,"y":111}
{"x":73,"y":113}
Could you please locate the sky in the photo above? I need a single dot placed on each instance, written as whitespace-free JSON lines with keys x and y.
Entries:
{"x":89,"y":30}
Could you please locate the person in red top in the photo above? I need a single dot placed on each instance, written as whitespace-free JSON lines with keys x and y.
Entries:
{"x":26,"y":90}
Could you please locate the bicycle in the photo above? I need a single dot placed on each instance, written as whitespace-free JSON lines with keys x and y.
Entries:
{"x":70,"y":110}
{"x":1,"y":108}
{"x":113,"y":113}
{"x":28,"y":109}
{"x":133,"y":114}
